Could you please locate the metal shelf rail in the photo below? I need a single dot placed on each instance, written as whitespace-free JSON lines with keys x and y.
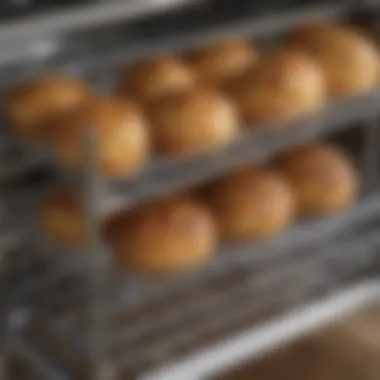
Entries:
{"x":82,"y":17}
{"x":101,"y":323}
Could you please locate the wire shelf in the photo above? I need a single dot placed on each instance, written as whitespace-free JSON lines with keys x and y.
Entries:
{"x":164,"y":174}
{"x":174,"y":326}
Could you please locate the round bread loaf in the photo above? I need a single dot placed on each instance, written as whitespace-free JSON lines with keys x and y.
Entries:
{"x":199,"y":120}
{"x":225,"y":61}
{"x":285,"y":85}
{"x":349,"y":60}
{"x":62,"y":220}
{"x":156,"y":78}
{"x":165,"y":237}
{"x":322,"y":178}
{"x":122,"y":135}
{"x":31,"y":105}
{"x":251,"y":204}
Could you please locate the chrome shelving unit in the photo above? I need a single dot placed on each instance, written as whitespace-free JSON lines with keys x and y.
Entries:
{"x":78,"y":317}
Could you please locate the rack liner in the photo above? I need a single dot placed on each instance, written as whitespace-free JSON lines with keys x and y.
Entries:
{"x":244,"y":287}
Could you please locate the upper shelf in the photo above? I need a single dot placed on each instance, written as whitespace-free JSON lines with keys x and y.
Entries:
{"x":83,"y":16}
{"x":166,"y":175}
{"x":80,"y":17}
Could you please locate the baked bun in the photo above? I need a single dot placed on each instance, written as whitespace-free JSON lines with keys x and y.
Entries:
{"x":157,"y":78}
{"x":322,"y":178}
{"x":196,"y":121}
{"x":164,"y":237}
{"x":225,"y":61}
{"x":349,"y":60}
{"x":285,"y":85}
{"x":62,"y":220}
{"x":30,"y":105}
{"x":122,"y":136}
{"x":250,"y":204}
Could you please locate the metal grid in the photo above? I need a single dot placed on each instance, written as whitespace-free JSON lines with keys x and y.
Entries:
{"x":138,"y":326}
{"x":175,"y":325}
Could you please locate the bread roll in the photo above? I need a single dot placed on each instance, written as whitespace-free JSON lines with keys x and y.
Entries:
{"x":251,"y":204}
{"x":30,"y":105}
{"x":122,"y":135}
{"x":164,"y":237}
{"x":157,"y":78}
{"x":322,"y":178}
{"x":225,"y":61}
{"x":349,"y":60}
{"x":196,"y":121}
{"x":285,"y":85}
{"x":62,"y":220}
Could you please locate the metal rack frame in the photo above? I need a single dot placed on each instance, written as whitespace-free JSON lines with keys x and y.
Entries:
{"x":102,"y":198}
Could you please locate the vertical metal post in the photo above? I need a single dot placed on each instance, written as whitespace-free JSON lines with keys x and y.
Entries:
{"x":100,"y":368}
{"x":371,"y":154}
{"x":4,"y":315}
{"x":4,"y":358}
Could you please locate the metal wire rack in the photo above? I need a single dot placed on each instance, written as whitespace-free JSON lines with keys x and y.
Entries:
{"x":172,"y":325}
{"x":67,"y":320}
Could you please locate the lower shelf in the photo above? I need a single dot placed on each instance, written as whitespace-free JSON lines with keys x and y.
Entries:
{"x":212,"y":327}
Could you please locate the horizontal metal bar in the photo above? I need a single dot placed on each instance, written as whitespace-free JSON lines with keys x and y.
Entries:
{"x":248,"y":25}
{"x":260,"y":340}
{"x":82,"y":17}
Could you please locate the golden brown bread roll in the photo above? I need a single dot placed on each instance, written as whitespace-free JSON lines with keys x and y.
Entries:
{"x":32,"y":104}
{"x":225,"y":61}
{"x":196,"y":121}
{"x":62,"y":220}
{"x":123,"y":141}
{"x":285,"y":85}
{"x":322,"y":178}
{"x":251,"y":203}
{"x":157,"y":78}
{"x":164,"y":237}
{"x":349,"y":60}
